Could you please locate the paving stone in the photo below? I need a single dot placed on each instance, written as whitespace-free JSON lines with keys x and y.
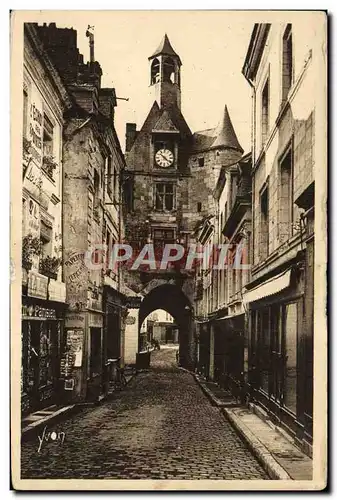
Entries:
{"x":161,"y":426}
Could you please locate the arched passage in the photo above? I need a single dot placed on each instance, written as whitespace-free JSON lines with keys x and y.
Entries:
{"x":173,"y":300}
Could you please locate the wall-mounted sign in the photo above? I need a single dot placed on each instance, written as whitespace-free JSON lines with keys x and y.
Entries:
{"x":96,"y":320}
{"x":74,"y":320}
{"x":32,"y":216}
{"x":35,"y":132}
{"x":130,"y":320}
{"x":35,"y":311}
{"x":133,"y":302}
{"x":73,"y":355}
{"x":37,"y":285}
{"x":57,"y":291}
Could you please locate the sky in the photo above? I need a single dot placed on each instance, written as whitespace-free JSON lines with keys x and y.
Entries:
{"x":211,"y":44}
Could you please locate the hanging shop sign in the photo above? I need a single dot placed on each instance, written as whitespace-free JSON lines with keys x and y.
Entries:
{"x":130,"y":320}
{"x":37,"y":285}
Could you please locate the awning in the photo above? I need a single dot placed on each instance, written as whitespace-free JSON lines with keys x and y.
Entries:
{"x":271,"y":287}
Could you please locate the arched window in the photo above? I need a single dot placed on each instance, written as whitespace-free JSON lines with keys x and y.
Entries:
{"x":155,"y":71}
{"x":168,"y":70}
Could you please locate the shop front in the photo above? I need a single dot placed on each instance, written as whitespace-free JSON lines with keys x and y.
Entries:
{"x":276,"y":355}
{"x":203,"y":349}
{"x":229,"y":343}
{"x":42,"y":337}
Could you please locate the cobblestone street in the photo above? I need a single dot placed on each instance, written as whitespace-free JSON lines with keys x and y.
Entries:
{"x":160,"y":427}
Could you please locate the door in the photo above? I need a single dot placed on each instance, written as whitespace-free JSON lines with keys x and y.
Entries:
{"x":277,"y":370}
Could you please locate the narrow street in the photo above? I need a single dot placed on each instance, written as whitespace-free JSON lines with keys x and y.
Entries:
{"x":160,"y":427}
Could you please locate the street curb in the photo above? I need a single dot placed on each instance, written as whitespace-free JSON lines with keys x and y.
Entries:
{"x":29,"y":430}
{"x":263,"y":455}
{"x":214,"y":400}
{"x":268,"y":462}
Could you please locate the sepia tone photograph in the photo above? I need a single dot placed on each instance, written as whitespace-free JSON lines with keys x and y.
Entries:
{"x":168,"y":266}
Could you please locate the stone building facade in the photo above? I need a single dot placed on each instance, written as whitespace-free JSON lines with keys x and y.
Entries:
{"x":92,"y":217}
{"x":45,"y":100}
{"x":282,"y":65}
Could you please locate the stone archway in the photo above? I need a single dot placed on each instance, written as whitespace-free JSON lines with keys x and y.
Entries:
{"x":168,"y":296}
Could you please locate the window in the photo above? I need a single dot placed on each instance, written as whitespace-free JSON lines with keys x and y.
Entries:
{"x":162,"y":236}
{"x":199,"y":206}
{"x":155,"y":71}
{"x":164,"y":196}
{"x":287,"y":62}
{"x":286,"y":197}
{"x":201,"y":162}
{"x":108,"y":248}
{"x":264,"y":224}
{"x":109,"y":175}
{"x":128,"y":193}
{"x":25,"y":111}
{"x":96,"y":194}
{"x":48,"y":133}
{"x":168,"y":70}
{"x":116,"y":184}
{"x":265,"y":112}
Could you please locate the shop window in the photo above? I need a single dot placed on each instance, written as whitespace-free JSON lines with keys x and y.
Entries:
{"x":264,"y":224}
{"x":164,"y":196}
{"x":264,"y":341}
{"x":265,"y":112}
{"x":287,"y":62}
{"x":25,"y":359}
{"x":95,"y":351}
{"x":46,"y":355}
{"x":290,"y":334}
{"x":286,"y":197}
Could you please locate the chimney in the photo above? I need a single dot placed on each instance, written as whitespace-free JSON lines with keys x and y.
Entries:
{"x":131,"y":134}
{"x":91,"y":43}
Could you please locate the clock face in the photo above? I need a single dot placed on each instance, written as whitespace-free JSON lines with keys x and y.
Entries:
{"x":164,"y":158}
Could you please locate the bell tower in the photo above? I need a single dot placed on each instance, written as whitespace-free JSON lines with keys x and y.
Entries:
{"x":165,"y":67}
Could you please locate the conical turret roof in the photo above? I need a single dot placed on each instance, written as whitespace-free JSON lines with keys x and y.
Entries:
{"x":225,"y":134}
{"x":165,"y":48}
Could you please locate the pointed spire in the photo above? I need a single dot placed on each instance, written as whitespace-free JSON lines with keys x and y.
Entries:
{"x":165,"y":48}
{"x":225,"y":134}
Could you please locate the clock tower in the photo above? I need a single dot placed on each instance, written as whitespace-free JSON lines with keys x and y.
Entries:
{"x":165,"y":67}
